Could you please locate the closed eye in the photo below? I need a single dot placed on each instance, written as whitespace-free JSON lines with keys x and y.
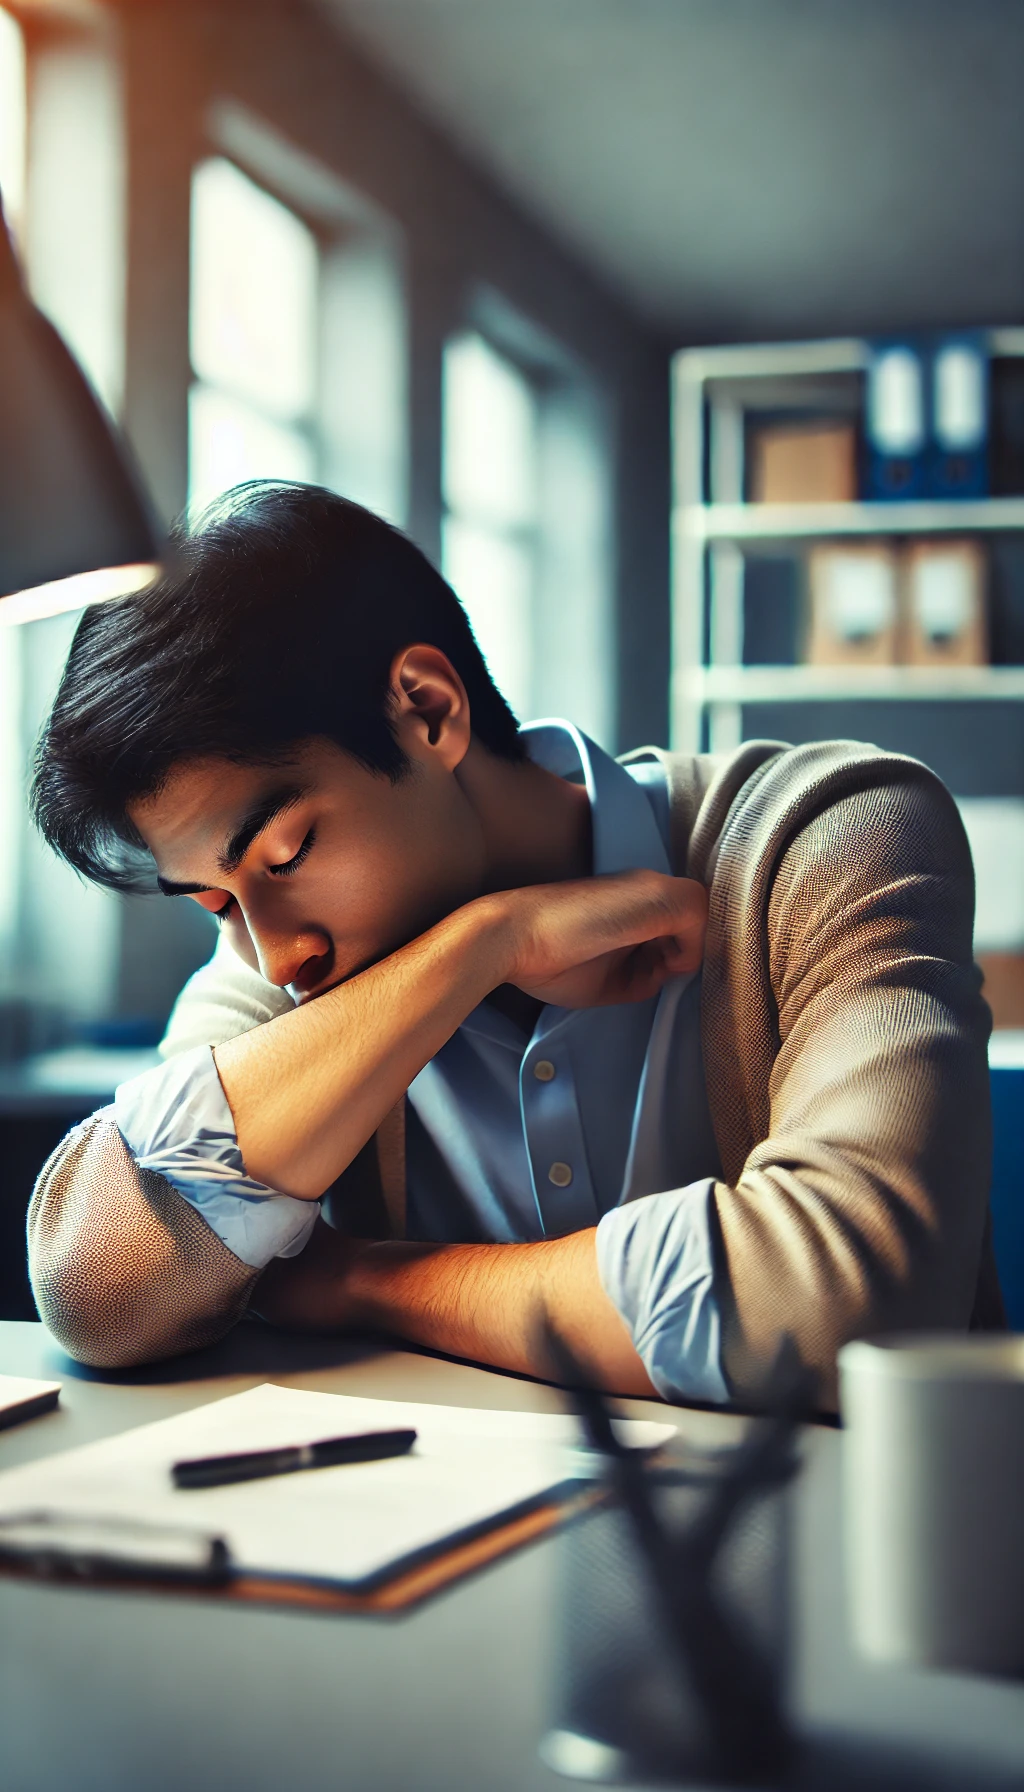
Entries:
{"x":292,"y":865}
{"x":288,"y":869}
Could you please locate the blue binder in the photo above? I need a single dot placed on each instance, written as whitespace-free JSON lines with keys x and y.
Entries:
{"x":896,"y":422}
{"x":958,"y":452}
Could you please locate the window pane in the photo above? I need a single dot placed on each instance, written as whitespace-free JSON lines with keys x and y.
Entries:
{"x":229,"y":442}
{"x":362,"y":380}
{"x":12,"y":120}
{"x":254,"y":293}
{"x":12,"y":802}
{"x":489,"y":436}
{"x":493,"y":576}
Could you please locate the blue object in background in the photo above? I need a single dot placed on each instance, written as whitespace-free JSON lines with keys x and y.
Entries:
{"x":959,"y":413}
{"x":1008,"y":1185}
{"x":896,"y":422}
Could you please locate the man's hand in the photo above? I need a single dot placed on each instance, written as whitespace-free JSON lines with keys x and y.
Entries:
{"x":604,"y":939}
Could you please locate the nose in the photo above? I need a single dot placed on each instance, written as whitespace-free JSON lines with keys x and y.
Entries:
{"x":302,"y":958}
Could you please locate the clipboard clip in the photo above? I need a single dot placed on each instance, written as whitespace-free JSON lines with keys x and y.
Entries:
{"x":76,"y":1546}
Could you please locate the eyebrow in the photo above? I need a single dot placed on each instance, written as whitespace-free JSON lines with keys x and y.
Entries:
{"x":253,"y":823}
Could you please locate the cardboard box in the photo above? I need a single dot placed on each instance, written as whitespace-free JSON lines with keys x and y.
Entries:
{"x":803,"y":463}
{"x":945,"y":620}
{"x":854,"y":606}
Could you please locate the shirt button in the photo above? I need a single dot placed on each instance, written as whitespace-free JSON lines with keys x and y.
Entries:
{"x":560,"y":1175}
{"x":544,"y":1070}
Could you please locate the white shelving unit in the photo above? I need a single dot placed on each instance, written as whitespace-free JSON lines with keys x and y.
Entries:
{"x":712,"y":391}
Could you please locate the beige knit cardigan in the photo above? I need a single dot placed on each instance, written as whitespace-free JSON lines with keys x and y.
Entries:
{"x":844,"y":1039}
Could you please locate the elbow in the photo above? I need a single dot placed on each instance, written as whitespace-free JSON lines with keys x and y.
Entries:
{"x":92,"y":1325}
{"x":124,"y":1272}
{"x":111,"y":1314}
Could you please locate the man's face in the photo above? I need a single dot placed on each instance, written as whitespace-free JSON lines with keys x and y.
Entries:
{"x":319,"y":867}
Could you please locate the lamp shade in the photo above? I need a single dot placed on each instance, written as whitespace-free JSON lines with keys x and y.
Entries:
{"x":75,"y":526}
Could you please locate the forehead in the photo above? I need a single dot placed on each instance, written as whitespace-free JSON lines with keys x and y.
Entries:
{"x":191,"y":819}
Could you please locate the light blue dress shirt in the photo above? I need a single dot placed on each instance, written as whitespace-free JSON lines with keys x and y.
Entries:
{"x":597,"y":1118}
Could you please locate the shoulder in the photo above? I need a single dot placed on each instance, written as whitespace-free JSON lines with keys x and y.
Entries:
{"x":841,"y":834}
{"x":758,"y":802}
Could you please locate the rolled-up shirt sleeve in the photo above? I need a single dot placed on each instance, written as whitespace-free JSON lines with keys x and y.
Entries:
{"x":656,"y":1260}
{"x":175,"y":1119}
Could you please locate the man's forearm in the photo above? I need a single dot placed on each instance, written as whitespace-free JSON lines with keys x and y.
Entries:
{"x":482,"y":1301}
{"x":308,"y":1089}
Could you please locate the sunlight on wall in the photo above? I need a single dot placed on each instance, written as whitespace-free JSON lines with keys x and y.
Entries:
{"x":75,"y":204}
{"x":12,"y":121}
{"x":12,"y":190}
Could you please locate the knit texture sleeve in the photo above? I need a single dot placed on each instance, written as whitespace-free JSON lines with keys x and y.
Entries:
{"x":124,"y":1266}
{"x":123,"y":1269}
{"x":850,"y":1071}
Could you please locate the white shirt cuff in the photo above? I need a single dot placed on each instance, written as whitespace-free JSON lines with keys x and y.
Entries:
{"x":656,"y":1260}
{"x":175,"y":1119}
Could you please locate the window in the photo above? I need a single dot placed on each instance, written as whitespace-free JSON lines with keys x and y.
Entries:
{"x":490,"y":540}
{"x":12,"y":121}
{"x":253,"y":333}
{"x":527,"y":527}
{"x":63,"y":178}
{"x":12,"y":189}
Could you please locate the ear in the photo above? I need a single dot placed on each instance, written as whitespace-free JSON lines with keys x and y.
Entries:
{"x":430,"y":708}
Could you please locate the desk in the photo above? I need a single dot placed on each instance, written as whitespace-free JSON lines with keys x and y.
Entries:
{"x":130,"y":1692}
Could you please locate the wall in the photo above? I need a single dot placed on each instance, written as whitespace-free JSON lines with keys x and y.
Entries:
{"x":461,"y":235}
{"x":462,"y":238}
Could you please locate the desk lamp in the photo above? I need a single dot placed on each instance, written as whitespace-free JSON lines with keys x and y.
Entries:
{"x":74,"y":524}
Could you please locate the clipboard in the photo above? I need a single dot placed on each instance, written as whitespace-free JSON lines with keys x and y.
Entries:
{"x":400,"y":1593}
{"x":377,"y":1537}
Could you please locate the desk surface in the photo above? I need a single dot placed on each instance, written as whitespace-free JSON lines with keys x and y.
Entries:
{"x":112,"y":1692}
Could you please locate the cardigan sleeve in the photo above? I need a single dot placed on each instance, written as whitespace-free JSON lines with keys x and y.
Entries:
{"x":861,"y":1206}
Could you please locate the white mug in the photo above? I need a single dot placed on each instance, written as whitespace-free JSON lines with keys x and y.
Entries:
{"x":933,"y":1491}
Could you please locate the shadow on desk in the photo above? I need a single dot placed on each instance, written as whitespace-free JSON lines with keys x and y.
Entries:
{"x":251,"y":1349}
{"x":841,"y":1762}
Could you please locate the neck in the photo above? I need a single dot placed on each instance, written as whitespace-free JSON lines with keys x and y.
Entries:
{"x":535,"y":826}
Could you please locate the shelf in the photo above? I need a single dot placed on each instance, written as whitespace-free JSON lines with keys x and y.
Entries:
{"x":715,"y":389}
{"x":849,"y":684}
{"x":823,"y":522}
{"x":797,"y":360}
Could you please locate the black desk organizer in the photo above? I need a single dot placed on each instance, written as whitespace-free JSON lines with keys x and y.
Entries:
{"x":631,"y":1704}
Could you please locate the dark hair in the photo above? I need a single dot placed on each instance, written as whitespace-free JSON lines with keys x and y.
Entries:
{"x":277,"y":620}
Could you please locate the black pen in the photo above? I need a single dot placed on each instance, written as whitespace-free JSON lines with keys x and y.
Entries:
{"x":255,"y":1465}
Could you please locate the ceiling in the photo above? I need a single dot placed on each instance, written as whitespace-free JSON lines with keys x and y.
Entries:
{"x":742,"y":168}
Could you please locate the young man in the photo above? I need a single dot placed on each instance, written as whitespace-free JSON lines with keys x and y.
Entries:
{"x":688,"y":1052}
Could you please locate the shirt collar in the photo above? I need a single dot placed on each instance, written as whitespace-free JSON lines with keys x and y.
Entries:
{"x":626,"y":836}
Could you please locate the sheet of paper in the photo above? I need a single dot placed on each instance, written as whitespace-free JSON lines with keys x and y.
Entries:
{"x":22,"y":1398}
{"x":347,"y":1525}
